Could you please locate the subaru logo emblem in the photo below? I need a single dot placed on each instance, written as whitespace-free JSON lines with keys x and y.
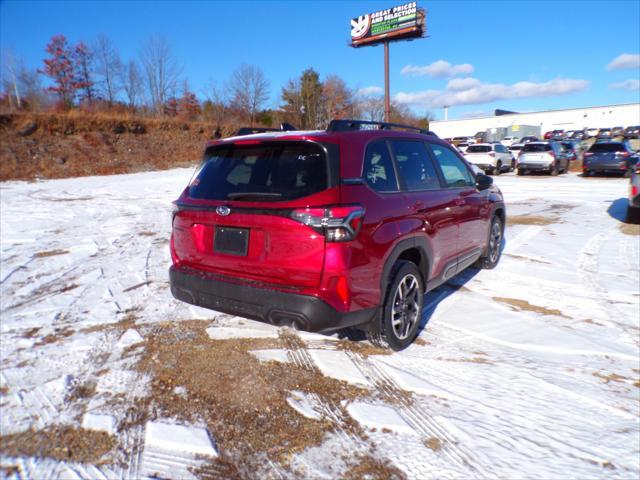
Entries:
{"x":223,"y":211}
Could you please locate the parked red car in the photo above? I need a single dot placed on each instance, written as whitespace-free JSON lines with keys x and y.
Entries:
{"x":323,"y":230}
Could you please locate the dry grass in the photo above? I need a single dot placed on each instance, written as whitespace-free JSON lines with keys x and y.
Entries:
{"x":630,"y":229}
{"x":76,"y":144}
{"x":522,"y":305}
{"x":612,"y":377}
{"x":371,"y":468}
{"x":433,"y":443}
{"x":62,"y":443}
{"x":242,"y":400}
{"x":56,"y":336}
{"x":50,"y":253}
{"x":531,"y":220}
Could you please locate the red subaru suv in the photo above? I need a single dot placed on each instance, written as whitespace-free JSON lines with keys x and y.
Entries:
{"x":323,"y":230}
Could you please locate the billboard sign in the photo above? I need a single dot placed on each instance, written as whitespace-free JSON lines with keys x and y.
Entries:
{"x":397,"y":23}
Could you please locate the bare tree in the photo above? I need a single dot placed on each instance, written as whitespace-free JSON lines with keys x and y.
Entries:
{"x":161,"y":71}
{"x":109,"y":67}
{"x":131,"y":82}
{"x":219,"y":96}
{"x":250,"y":91}
{"x":372,"y":108}
{"x":10,"y":71}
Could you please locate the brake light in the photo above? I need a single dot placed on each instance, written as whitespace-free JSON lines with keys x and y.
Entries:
{"x":622,"y":154}
{"x":634,"y":190}
{"x":337,"y":224}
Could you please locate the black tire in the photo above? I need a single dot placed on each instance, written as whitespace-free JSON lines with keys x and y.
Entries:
{"x":633,"y":214}
{"x":493,"y":252}
{"x":554,"y":169}
{"x":498,"y":168}
{"x":491,"y":171}
{"x":402,"y":310}
{"x":587,"y":173}
{"x":521,"y":172}
{"x":513,"y":166}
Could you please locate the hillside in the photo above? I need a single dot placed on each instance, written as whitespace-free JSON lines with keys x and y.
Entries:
{"x":36,"y":146}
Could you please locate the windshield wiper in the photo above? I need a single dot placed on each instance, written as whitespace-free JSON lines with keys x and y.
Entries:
{"x":238,"y":195}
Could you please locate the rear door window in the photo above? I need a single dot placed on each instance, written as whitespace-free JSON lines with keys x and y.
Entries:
{"x":414,"y":165}
{"x":479,"y":149}
{"x":454,"y":170}
{"x":378,"y":168}
{"x":606,"y":147}
{"x":273,"y":171}
{"x":536,"y":147}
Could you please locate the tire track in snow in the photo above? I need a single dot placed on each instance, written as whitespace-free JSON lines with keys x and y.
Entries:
{"x":588,"y":269}
{"x":423,"y":423}
{"x":299,"y":356}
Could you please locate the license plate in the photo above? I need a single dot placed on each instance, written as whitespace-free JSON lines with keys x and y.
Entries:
{"x":232,"y":241}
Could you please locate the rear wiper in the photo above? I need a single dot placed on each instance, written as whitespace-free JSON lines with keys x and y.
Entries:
{"x":238,"y":195}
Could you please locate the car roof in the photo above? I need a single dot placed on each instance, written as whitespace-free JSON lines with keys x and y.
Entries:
{"x":323,"y":135}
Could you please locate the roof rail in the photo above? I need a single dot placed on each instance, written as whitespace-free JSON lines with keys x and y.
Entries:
{"x":349,"y":125}
{"x":284,"y":127}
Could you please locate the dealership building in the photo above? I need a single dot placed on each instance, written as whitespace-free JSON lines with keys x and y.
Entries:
{"x":570,"y":119}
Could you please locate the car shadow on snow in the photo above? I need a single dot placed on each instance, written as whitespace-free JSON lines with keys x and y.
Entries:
{"x":618,"y":210}
{"x":433,"y":298}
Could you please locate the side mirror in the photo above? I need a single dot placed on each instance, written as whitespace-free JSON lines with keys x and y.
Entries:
{"x":483,"y":181}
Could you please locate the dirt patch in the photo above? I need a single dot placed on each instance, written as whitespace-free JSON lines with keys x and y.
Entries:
{"x":146,"y":234}
{"x":50,"y":253}
{"x":612,"y":377}
{"x":630,"y":229}
{"x":522,"y":305}
{"x":32,"y":332}
{"x":591,"y":322}
{"x":82,"y":391}
{"x":433,"y":443}
{"x":62,"y":443}
{"x":421,"y":341}
{"x":527,"y":259}
{"x":4,"y":391}
{"x":373,"y":468}
{"x":531,"y":220}
{"x":478,"y":359}
{"x":56,"y":336}
{"x":124,"y":324}
{"x":362,"y":348}
{"x":242,"y":400}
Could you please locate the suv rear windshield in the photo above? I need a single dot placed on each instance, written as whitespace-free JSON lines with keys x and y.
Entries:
{"x":478,"y":149}
{"x":273,"y":171}
{"x":536,"y":147}
{"x":606,"y":147}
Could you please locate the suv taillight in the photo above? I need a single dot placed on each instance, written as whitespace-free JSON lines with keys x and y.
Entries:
{"x":337,"y":224}
{"x":622,"y":154}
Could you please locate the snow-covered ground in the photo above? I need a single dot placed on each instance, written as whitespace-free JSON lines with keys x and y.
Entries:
{"x":531,"y":370}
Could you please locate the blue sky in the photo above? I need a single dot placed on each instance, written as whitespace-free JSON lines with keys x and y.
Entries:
{"x":561,"y":49}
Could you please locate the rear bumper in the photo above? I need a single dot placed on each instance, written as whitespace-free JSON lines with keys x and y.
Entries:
{"x":304,"y":312}
{"x":535,"y":166}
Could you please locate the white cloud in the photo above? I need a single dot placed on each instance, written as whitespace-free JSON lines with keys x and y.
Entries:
{"x":625,"y":61}
{"x":478,"y":93}
{"x":439,"y":69}
{"x":369,"y":91}
{"x":631,"y":84}
{"x":458,"y":84}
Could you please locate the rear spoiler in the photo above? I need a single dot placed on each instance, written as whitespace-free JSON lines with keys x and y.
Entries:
{"x":284,"y":127}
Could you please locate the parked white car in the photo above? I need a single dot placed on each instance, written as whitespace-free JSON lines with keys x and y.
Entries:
{"x":492,"y":158}
{"x":508,"y":141}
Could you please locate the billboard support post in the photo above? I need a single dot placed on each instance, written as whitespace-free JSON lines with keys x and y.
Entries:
{"x":387,"y":101}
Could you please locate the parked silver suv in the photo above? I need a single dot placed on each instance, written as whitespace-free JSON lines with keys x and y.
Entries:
{"x":492,"y":158}
{"x":547,"y":157}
